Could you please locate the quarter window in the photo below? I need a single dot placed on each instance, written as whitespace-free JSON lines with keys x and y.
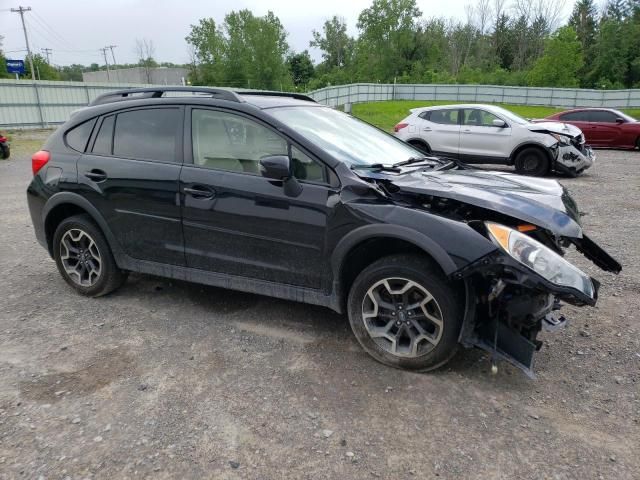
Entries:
{"x":78,"y":137}
{"x":150,"y":134}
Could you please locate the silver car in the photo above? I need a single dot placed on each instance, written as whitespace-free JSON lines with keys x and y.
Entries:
{"x":489,"y":134}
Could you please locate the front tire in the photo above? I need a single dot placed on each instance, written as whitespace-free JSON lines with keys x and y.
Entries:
{"x":532,"y":161}
{"x":84,"y":259}
{"x":405,"y":313}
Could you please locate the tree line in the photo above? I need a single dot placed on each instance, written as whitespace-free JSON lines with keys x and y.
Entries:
{"x":500,"y":42}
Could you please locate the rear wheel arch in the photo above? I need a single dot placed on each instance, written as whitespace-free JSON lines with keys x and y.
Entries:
{"x":420,"y":144}
{"x":66,"y":204}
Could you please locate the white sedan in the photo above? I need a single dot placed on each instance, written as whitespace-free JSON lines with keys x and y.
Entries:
{"x":489,"y":134}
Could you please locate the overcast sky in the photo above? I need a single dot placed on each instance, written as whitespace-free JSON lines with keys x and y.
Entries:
{"x":75,"y":30}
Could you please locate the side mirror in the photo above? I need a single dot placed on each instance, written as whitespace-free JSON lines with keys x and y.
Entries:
{"x":619,"y":120}
{"x":499,"y":123}
{"x":276,"y":167}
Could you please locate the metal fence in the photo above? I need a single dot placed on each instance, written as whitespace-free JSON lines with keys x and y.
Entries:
{"x":25,"y":104}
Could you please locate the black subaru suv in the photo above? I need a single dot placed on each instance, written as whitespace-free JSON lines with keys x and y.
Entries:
{"x":275,"y":194}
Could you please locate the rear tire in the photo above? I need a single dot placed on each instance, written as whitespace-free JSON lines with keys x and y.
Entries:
{"x":532,"y":161}
{"x":420,"y":145}
{"x":405,"y":313}
{"x":84,"y":259}
{"x":638,"y":143}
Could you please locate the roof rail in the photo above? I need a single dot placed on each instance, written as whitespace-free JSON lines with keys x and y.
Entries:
{"x":270,"y":93}
{"x":157,"y":92}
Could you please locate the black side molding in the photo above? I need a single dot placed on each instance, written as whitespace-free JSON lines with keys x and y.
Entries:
{"x":597,"y":254}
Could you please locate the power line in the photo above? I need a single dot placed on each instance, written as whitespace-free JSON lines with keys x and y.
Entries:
{"x":21,"y":10}
{"x":47,"y":52}
{"x":106,"y":62}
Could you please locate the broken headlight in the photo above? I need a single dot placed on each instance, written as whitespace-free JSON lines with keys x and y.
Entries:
{"x":562,"y":139}
{"x":539,"y":258}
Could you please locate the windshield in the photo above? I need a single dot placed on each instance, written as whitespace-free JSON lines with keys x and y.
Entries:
{"x":511,"y":116}
{"x":628,"y":118}
{"x":348,"y":139}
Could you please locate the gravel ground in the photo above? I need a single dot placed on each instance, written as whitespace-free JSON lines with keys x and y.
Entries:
{"x":166,"y":379}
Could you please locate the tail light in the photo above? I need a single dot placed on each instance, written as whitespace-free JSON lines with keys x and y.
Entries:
{"x":3,"y":139}
{"x":39,"y":160}
{"x":400,"y":126}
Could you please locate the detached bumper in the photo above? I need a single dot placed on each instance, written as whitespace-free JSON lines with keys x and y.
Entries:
{"x":574,"y":161}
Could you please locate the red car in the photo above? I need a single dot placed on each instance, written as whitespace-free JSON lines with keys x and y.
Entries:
{"x":603,"y":127}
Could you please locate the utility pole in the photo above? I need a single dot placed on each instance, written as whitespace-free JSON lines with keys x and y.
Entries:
{"x":21,"y":10}
{"x":106,"y":62}
{"x":47,"y":52}
{"x":113,"y":56}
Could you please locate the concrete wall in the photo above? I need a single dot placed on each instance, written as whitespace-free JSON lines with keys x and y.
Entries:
{"x":24,"y":104}
{"x":156,"y":76}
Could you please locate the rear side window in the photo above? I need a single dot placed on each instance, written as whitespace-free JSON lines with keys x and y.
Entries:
{"x":425,"y":115}
{"x":102,"y":145}
{"x":150,"y":134}
{"x":575,"y":117}
{"x":445,"y":117}
{"x":602,"y":116}
{"x":78,"y":136}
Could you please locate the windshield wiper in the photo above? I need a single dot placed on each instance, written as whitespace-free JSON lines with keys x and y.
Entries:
{"x":377,"y":166}
{"x":412,"y":160}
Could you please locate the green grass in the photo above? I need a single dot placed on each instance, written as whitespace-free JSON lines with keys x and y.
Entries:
{"x":386,"y":114}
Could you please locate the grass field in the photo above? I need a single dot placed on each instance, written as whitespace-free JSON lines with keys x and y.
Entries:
{"x":386,"y":114}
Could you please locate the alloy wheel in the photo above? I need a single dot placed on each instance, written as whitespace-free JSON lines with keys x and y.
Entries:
{"x":80,"y":257}
{"x":402,"y":317}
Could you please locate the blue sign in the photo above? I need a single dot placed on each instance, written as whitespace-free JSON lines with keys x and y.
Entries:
{"x":15,"y":66}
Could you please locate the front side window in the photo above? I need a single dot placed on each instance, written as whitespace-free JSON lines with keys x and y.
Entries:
{"x":575,"y":117}
{"x":479,"y":118}
{"x":225,"y":141}
{"x":344,"y":137}
{"x":602,"y":116}
{"x":150,"y":134}
{"x":445,"y":117}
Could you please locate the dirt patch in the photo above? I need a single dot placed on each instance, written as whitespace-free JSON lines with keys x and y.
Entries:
{"x":105,"y":367}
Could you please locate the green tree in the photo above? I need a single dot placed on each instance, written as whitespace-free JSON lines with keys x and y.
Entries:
{"x":387,"y":40}
{"x":44,"y":71}
{"x":247,"y":51}
{"x":561,"y":62}
{"x":334,"y":42}
{"x":584,"y":21}
{"x":301,"y":68}
{"x":3,"y":61}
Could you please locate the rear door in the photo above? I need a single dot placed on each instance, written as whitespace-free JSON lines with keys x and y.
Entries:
{"x":237,"y":222}
{"x":441,"y":129}
{"x":130,"y":173}
{"x":604,"y":130}
{"x":481,"y":141}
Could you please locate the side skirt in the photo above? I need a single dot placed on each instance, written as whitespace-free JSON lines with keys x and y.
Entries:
{"x":232,"y":282}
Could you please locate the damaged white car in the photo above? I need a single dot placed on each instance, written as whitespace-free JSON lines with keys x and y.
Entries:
{"x":489,"y":134}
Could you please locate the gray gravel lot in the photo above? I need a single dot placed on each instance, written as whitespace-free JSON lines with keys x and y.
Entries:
{"x":166,"y":379}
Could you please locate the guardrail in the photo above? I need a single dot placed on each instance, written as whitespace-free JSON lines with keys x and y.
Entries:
{"x":28,"y":104}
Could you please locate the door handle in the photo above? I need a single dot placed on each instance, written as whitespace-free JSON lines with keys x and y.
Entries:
{"x":426,"y":129}
{"x":466,"y":131}
{"x":198,"y":191}
{"x":96,"y":175}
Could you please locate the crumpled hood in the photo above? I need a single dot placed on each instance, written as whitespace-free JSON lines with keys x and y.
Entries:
{"x":555,"y":127}
{"x":539,"y":201}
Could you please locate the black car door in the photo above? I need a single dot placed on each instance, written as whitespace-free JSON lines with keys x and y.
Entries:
{"x":239,"y":223}
{"x":130,"y":173}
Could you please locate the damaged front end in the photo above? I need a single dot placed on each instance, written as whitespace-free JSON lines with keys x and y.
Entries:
{"x":519,"y":289}
{"x":571,"y":155}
